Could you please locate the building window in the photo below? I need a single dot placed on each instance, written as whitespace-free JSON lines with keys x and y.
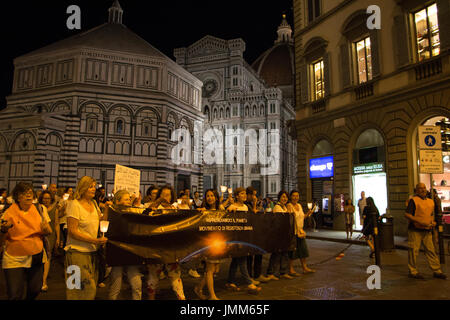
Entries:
{"x":364,"y":60}
{"x":146,"y":129}
{"x":318,"y":83}
{"x":235,"y":111}
{"x":272,"y":126}
{"x":272,"y":108}
{"x":427,"y":32}
{"x":119,"y":127}
{"x":235,"y":81}
{"x":313,"y":9}
{"x":91,"y":125}
{"x":273,"y":187}
{"x":235,"y":71}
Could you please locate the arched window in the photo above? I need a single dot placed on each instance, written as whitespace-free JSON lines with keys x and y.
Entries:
{"x":322,"y":148}
{"x":261,"y":110}
{"x":228,"y":112}
{"x":247,"y":111}
{"x":208,"y":118}
{"x":254,"y":111}
{"x":91,"y":124}
{"x":119,"y":126}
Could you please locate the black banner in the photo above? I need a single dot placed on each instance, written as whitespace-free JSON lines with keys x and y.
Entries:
{"x":182,"y":235}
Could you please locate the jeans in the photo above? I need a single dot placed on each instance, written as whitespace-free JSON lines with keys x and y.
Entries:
{"x":240,"y":262}
{"x":19,"y":278}
{"x":134,"y":278}
{"x":278,"y":263}
{"x":254,"y":265}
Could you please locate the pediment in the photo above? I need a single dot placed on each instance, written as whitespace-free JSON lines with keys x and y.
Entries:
{"x":208,"y":45}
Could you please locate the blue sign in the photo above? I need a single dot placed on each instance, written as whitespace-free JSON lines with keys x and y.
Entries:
{"x":430,"y":140}
{"x":321,"y":167}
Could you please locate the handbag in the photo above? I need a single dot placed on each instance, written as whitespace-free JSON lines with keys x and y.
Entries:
{"x":44,"y":238}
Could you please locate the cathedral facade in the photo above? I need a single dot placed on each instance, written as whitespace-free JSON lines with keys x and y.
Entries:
{"x":239,"y":96}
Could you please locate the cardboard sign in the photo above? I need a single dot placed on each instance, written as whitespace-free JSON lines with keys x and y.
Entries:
{"x":127,"y":179}
{"x":430,"y":137}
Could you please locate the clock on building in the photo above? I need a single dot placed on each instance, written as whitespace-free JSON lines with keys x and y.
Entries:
{"x":209,"y":88}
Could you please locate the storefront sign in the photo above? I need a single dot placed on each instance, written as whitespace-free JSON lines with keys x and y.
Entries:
{"x":430,"y":137}
{"x":368,"y":168}
{"x":431,"y":161}
{"x":321,"y":167}
{"x":127,"y":179}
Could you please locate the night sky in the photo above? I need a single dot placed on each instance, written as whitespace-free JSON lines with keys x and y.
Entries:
{"x":30,"y":25}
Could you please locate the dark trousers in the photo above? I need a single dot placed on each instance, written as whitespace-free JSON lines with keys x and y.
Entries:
{"x":63,"y":234}
{"x":278,"y":263}
{"x":19,"y":278}
{"x":254,"y":265}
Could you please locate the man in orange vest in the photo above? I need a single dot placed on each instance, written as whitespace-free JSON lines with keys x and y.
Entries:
{"x":420,"y":213}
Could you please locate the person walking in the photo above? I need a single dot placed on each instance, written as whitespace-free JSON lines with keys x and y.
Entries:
{"x":122,"y":200}
{"x":278,"y":263}
{"x":22,"y":231}
{"x":48,"y":201}
{"x":349,"y":210}
{"x":301,"y":251}
{"x":83,"y":220}
{"x":420,"y":214}
{"x":241,"y":262}
{"x":211,"y":202}
{"x":368,"y":229}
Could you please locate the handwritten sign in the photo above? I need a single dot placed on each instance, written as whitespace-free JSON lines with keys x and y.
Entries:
{"x":127,"y":179}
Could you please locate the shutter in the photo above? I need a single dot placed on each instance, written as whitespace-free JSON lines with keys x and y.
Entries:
{"x":400,"y":34}
{"x":374,"y":44}
{"x":345,"y":66}
{"x":304,"y":83}
{"x":444,"y":23}
{"x":326,"y":73}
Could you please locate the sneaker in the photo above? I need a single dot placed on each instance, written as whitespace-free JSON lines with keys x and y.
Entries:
{"x":256,"y":282}
{"x":286,"y":276}
{"x":416,"y":276}
{"x":262,"y":279}
{"x":194,"y":274}
{"x":439,"y":275}
{"x":272,"y":277}
{"x":253,"y":289}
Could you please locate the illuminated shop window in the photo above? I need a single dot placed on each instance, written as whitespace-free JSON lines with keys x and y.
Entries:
{"x":364,"y":60}
{"x":427,"y":32}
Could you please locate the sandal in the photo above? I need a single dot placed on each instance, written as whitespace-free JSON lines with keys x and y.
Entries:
{"x":232,"y":287}
{"x":199,"y":293}
{"x":294,"y":274}
{"x":309,"y":271}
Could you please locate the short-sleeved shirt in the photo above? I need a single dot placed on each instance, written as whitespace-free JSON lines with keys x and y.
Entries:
{"x":279,"y":208}
{"x":88,"y":224}
{"x":10,"y":262}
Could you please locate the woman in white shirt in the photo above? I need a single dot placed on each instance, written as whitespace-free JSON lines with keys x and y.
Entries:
{"x":278,"y":262}
{"x":83,"y":220}
{"x":301,"y":251}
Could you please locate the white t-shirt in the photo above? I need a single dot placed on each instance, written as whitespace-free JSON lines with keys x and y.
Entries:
{"x":299,"y":217}
{"x":88,"y":224}
{"x":279,"y":208}
{"x":10,"y":262}
{"x":236,"y":206}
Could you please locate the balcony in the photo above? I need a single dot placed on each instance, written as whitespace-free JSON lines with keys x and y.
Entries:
{"x":428,"y":68}
{"x":364,"y":90}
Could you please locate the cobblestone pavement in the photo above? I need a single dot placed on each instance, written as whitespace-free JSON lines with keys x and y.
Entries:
{"x":343,"y":279}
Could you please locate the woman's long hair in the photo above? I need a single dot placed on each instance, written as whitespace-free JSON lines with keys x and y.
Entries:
{"x":371,"y":205}
{"x":172,"y":193}
{"x":206,"y":205}
{"x":83,"y":185}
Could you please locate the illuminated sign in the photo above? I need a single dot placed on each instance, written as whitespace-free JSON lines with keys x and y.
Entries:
{"x":321,"y":167}
{"x":368,"y":168}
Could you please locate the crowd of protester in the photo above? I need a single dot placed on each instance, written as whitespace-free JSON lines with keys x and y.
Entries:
{"x":39,"y":224}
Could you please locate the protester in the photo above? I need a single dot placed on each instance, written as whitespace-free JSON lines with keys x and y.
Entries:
{"x":83,"y":220}
{"x":47,"y":199}
{"x":278,"y":262}
{"x":211,"y":202}
{"x":150,"y":199}
{"x":361,"y":206}
{"x":122,"y":200}
{"x":183,"y":202}
{"x":67,"y":196}
{"x":22,"y":230}
{"x":349,"y":210}
{"x":254,"y":263}
{"x":102,"y":199}
{"x":241,"y":262}
{"x":137,"y":201}
{"x":301,"y":251}
{"x":420,"y":213}
{"x":368,"y":229}
{"x":166,"y":196}
{"x":3,"y":204}
{"x":197,"y":201}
